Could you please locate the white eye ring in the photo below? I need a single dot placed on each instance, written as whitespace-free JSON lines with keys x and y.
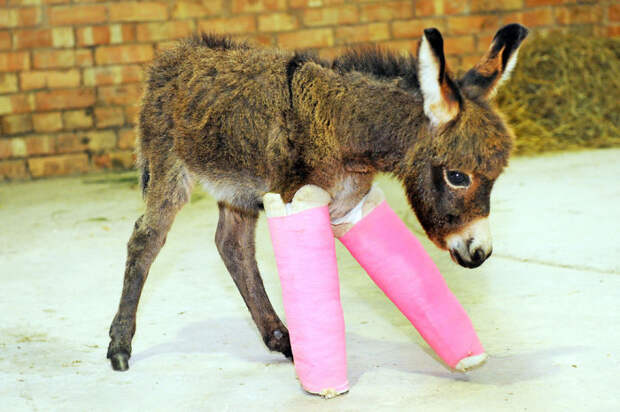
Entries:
{"x":457,"y":179}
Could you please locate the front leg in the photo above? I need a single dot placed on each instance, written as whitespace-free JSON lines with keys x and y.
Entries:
{"x":235,"y":239}
{"x":348,"y":192}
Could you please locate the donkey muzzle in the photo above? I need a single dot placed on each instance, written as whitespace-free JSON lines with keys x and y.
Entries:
{"x":472,"y":245}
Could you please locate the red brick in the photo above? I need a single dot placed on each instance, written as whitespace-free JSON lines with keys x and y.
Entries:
{"x":58,"y":165}
{"x":166,"y":44}
{"x":54,"y":79}
{"x":331,"y":53}
{"x":120,"y":95}
{"x":262,"y":39}
{"x":6,"y":150}
{"x":472,"y":24}
{"x":484,"y":42}
{"x":54,"y":59}
{"x":71,"y":143}
{"x":254,"y":6}
{"x":8,"y":83}
{"x":415,"y":28}
{"x":124,"y":159}
{"x":109,"y":116}
{"x":148,"y":32}
{"x":17,"y":123}
{"x":21,"y":2}
{"x":77,"y":119}
{"x":440,"y":7}
{"x":33,"y":38}
{"x":18,"y":147}
{"x":100,"y":140}
{"x":304,"y":4}
{"x":5,"y":106}
{"x":363,"y":33}
{"x":190,"y":9}
{"x":239,"y":24}
{"x":22,"y":17}
{"x":402,"y":45}
{"x":532,"y":18}
{"x":387,"y":11}
{"x":93,"y":35}
{"x":491,"y":5}
{"x":65,"y":99}
{"x":13,"y":169}
{"x":83,"y":58}
{"x":5,"y":40}
{"x":306,"y":38}
{"x":14,"y":61}
{"x":330,"y":16}
{"x":137,"y":53}
{"x":22,"y":103}
{"x":131,"y":113}
{"x":60,"y":79}
{"x":578,"y":14}
{"x":91,"y":140}
{"x":126,"y":139}
{"x":98,"y":76}
{"x":277,"y":22}
{"x":66,"y":15}
{"x":470,"y":60}
{"x":47,"y":122}
{"x":459,"y":45}
{"x":613,"y":31}
{"x":534,"y":3}
{"x":102,"y":160}
{"x":138,"y":11}
{"x":63,"y":37}
{"x":614,"y":12}
{"x":39,"y":145}
{"x":16,"y":103}
{"x":122,"y":33}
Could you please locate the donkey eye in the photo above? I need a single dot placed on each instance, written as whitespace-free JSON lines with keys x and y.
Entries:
{"x":456,"y":178}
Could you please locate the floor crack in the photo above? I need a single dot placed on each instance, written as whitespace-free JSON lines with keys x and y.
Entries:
{"x":558,"y":265}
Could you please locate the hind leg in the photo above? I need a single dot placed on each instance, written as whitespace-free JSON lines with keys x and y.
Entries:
{"x":235,"y":242}
{"x":167,"y":192}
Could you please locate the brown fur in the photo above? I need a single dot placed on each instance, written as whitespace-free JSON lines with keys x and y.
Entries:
{"x":244,"y":121}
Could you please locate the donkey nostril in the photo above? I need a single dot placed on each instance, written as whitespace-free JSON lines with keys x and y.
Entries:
{"x":478,"y":256}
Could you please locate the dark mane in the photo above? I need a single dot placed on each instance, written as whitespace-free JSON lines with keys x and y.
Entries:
{"x":380,"y":63}
{"x":217,"y":41}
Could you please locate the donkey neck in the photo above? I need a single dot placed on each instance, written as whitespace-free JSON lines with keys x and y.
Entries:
{"x":367,"y":121}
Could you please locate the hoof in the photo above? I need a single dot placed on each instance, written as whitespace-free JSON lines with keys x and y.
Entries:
{"x":288,"y":353}
{"x":120,"y":361}
{"x":279,"y":341}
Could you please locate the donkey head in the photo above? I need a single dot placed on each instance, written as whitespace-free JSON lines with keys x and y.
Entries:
{"x":463,"y":148}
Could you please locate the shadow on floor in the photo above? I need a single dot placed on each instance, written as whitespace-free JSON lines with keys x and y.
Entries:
{"x":238,"y":337}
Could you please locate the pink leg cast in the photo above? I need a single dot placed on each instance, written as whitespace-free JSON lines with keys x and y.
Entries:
{"x":399,"y":265}
{"x":304,"y":248}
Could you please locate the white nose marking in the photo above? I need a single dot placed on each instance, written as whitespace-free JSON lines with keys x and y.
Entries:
{"x":476,"y":235}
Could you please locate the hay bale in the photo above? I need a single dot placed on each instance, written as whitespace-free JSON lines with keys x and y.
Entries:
{"x":564,"y":93}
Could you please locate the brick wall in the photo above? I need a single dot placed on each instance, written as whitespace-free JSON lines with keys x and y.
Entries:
{"x":71,"y":70}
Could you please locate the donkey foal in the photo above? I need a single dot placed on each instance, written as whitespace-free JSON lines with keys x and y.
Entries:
{"x":245,"y":121}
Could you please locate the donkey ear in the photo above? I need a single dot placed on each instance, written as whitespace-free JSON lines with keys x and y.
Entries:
{"x":441,"y":97}
{"x":496,"y":65}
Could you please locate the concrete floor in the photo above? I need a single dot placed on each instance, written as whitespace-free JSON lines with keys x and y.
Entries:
{"x":546,"y":306}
